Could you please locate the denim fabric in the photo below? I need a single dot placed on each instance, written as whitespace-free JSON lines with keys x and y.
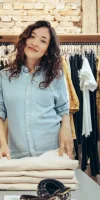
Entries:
{"x":34,"y":115}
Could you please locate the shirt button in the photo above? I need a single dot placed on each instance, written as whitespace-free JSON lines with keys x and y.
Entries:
{"x":32,"y":149}
{"x":27,"y":116}
{"x":27,"y":101}
{"x":28,"y":133}
{"x":26,"y":70}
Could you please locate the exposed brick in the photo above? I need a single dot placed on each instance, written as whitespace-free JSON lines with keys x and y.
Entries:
{"x":5,"y":24}
{"x":37,"y":12}
{"x":7,"y":1}
{"x":28,"y":6}
{"x":49,"y":6}
{"x":16,"y":18}
{"x":59,"y":30}
{"x":67,"y":7}
{"x":62,"y":18}
{"x":64,"y":15}
{"x":4,"y":31}
{"x":27,"y":1}
{"x":70,"y":12}
{"x":60,"y":6}
{"x":72,"y":1}
{"x":49,"y":18}
{"x":39,"y":6}
{"x":23,"y":24}
{"x":50,"y":1}
{"x":27,"y":18}
{"x":54,"y":12}
{"x":66,"y":24}
{"x":75,"y":30}
{"x":36,"y":18}
{"x":7,"y":6}
{"x":74,"y":6}
{"x":1,"y":5}
{"x":75,"y":18}
{"x":5,"y":18}
{"x":54,"y":24}
{"x":18,"y":6}
{"x":13,"y":12}
{"x":16,"y":30}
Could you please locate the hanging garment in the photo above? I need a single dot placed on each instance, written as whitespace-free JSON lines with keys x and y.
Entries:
{"x":75,"y":65}
{"x":89,"y":145}
{"x":74,"y":102}
{"x":98,"y":94}
{"x":72,"y":126}
{"x":87,"y":82}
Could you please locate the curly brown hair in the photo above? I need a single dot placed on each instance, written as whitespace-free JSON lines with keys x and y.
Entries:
{"x":51,"y":64}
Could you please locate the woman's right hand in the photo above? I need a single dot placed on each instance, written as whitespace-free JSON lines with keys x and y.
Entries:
{"x":4,"y":151}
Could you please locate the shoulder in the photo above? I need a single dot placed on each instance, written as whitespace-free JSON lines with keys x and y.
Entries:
{"x":61,"y":78}
{"x":5,"y":73}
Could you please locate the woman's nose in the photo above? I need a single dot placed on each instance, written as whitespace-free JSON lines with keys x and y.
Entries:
{"x":35,"y":43}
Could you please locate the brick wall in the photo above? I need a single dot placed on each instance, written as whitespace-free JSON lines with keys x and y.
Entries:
{"x":16,"y":15}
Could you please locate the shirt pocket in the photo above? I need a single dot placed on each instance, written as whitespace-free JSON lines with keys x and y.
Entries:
{"x":44,"y":97}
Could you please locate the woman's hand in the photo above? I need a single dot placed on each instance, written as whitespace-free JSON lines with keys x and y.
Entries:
{"x":65,"y":137}
{"x":4,"y":151}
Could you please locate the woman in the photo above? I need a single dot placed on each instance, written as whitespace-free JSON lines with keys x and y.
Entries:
{"x":34,"y":97}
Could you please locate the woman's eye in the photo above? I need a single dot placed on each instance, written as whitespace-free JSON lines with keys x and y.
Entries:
{"x":32,"y":36}
{"x":43,"y":41}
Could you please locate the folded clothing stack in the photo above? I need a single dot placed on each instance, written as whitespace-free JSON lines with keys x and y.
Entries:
{"x":26,"y":173}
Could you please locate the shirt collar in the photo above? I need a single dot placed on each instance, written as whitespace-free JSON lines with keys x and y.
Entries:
{"x":26,"y":70}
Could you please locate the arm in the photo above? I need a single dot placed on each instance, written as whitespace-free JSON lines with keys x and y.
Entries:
{"x":62,"y":108}
{"x":4,"y":151}
{"x":65,"y":137}
{"x":2,"y":133}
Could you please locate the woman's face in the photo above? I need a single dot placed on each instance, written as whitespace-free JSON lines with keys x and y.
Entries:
{"x":37,"y":44}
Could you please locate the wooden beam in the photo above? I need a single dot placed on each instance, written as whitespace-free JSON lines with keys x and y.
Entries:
{"x":62,"y":38}
{"x":89,"y":16}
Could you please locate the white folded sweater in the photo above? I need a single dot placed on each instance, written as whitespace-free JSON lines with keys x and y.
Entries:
{"x":26,"y":173}
{"x":47,"y":161}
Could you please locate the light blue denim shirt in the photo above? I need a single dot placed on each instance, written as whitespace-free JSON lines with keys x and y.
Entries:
{"x":34,"y":114}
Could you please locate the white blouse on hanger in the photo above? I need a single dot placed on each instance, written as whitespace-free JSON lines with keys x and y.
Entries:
{"x":87,"y":82}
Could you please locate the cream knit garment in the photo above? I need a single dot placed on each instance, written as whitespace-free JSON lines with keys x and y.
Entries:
{"x":26,"y":173}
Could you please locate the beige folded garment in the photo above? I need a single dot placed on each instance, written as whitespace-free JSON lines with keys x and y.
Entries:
{"x":48,"y":160}
{"x":27,"y":180}
{"x":69,"y":174}
{"x":30,"y":186}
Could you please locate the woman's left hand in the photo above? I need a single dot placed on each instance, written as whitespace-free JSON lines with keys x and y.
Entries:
{"x":66,"y":141}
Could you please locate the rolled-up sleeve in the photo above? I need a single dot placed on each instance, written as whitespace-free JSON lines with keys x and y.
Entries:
{"x":3,"y":113}
{"x":62,"y":103}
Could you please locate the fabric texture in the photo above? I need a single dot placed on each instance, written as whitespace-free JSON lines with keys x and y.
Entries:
{"x":30,"y":186}
{"x":21,"y":179}
{"x":49,"y":160}
{"x":22,"y":102}
{"x":64,"y":174}
{"x":74,"y":102}
{"x":73,"y":99}
{"x":26,"y":173}
{"x":89,"y":145}
{"x":98,"y":94}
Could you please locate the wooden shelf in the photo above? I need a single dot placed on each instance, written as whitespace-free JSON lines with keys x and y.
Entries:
{"x":62,"y":38}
